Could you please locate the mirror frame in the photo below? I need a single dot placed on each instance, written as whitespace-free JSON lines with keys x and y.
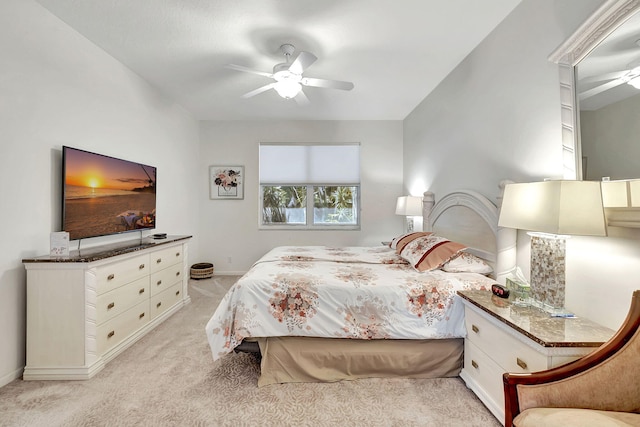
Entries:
{"x":596,"y":28}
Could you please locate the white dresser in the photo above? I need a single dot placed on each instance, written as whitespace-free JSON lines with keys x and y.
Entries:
{"x":85,"y":309}
{"x":502,"y":337}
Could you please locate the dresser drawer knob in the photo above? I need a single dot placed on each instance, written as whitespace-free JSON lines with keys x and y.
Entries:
{"x":111,"y":277}
{"x":111,"y":305}
{"x":141,"y":315}
{"x":141,"y":291}
{"x":141,"y":267}
{"x":110,"y":334}
{"x":475,"y":329}
{"x":177,"y":273}
{"x":177,"y":253}
{"x":474,"y":364}
{"x":159,"y":282}
{"x":521,"y":363}
{"x":177,"y":292}
{"x":158,"y":305}
{"x":159,"y":260}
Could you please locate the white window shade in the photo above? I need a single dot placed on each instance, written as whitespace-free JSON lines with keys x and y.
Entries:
{"x":309,"y":163}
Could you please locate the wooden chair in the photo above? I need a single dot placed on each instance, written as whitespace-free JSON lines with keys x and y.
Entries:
{"x":599,"y":389}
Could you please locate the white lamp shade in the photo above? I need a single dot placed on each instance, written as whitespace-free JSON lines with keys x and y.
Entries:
{"x":615,"y":194}
{"x":409,"y":206}
{"x":634,"y":193}
{"x":555,"y":207}
{"x":621,"y":194}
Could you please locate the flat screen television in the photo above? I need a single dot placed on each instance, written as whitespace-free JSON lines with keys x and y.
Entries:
{"x":103,"y":195}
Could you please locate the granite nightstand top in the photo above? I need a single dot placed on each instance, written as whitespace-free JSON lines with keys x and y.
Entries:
{"x":97,"y":253}
{"x":538,"y":325}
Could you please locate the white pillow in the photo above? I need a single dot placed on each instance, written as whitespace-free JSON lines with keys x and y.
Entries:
{"x":467,"y":263}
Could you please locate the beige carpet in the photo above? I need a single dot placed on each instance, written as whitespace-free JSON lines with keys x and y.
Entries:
{"x":168,"y":378}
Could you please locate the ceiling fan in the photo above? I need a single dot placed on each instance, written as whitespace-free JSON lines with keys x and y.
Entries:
{"x":288,"y":77}
{"x":631,"y":76}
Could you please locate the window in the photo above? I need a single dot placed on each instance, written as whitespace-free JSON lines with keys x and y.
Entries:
{"x":310,"y":186}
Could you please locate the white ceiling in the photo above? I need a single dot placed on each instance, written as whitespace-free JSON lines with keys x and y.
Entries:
{"x":394,"y":51}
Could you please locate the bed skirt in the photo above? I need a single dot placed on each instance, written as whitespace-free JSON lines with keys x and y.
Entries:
{"x":302,"y":359}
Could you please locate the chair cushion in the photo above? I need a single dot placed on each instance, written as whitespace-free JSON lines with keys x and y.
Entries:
{"x":552,"y":417}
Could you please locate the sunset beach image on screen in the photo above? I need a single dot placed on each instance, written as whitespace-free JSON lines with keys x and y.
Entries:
{"x":105,"y":195}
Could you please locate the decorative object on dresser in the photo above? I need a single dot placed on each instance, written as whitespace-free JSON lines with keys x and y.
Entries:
{"x":503,"y":337}
{"x":85,"y":309}
{"x":601,"y":388}
{"x":409,"y":206}
{"x":550,"y":211}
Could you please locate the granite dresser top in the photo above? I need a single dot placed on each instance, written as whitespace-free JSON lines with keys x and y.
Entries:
{"x":100,"y":252}
{"x":539,"y":325}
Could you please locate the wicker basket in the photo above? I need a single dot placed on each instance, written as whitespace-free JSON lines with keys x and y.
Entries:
{"x":202,"y":270}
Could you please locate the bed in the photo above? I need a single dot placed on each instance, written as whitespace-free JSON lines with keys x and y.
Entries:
{"x":318,"y":313}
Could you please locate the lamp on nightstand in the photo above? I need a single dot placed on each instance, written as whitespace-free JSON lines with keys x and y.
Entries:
{"x":551,"y":211}
{"x":409,"y":206}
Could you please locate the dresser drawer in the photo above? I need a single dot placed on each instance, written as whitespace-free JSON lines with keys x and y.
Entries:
{"x":164,"y":258}
{"x":484,"y":371}
{"x":111,"y":276}
{"x":120,"y":327}
{"x":507,"y":351}
{"x":165,"y":300}
{"x":119,"y":300}
{"x":163,"y":279}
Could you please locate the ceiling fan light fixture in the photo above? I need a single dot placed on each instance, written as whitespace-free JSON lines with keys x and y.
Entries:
{"x":288,"y":88}
{"x":635,"y":82}
{"x":288,"y":77}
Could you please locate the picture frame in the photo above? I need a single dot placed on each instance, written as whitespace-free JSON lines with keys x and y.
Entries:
{"x":226,"y":182}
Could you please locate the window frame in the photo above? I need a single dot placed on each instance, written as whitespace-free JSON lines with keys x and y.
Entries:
{"x":309,"y":209}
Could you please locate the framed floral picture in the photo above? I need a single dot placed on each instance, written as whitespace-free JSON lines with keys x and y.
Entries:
{"x":226,"y":182}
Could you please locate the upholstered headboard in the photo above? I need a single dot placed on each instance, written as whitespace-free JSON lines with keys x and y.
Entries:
{"x":468,"y":217}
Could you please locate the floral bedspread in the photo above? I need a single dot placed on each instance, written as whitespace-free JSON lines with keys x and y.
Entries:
{"x":348,"y":292}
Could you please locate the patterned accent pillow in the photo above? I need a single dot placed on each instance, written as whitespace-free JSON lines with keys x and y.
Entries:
{"x":467,"y":263}
{"x":426,"y":253}
{"x":401,"y":241}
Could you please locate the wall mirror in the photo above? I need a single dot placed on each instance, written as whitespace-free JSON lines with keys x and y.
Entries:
{"x":589,"y":76}
{"x":600,"y":108}
{"x":608,"y":101}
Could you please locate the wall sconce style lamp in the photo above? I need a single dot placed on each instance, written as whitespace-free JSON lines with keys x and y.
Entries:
{"x":551,"y":211}
{"x":409,"y":206}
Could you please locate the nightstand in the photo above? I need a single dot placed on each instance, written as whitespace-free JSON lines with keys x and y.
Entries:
{"x":502,"y":337}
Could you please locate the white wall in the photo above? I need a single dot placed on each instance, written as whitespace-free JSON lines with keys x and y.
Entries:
{"x":56,"y":88}
{"x":497,"y":116}
{"x":229,"y":228}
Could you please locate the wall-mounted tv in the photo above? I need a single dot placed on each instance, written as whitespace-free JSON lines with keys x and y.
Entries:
{"x":103,"y":195}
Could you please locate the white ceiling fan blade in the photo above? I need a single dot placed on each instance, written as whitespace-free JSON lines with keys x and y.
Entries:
{"x":599,"y":89}
{"x":248,"y":70}
{"x":302,"y":62}
{"x":331,"y":84}
{"x":301,"y":98}
{"x":602,"y":77}
{"x":258,"y":91}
